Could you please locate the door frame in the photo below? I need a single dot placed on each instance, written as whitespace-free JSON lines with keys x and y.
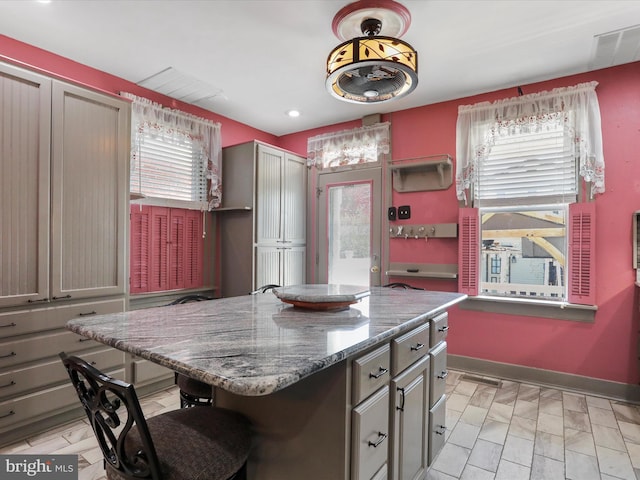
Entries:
{"x":374,"y":172}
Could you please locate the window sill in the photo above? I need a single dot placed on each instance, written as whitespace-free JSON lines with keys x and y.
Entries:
{"x":531,"y":308}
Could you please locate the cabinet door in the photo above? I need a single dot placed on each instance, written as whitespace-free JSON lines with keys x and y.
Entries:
{"x":25,"y":125}
{"x":185,"y":249}
{"x":294,"y":200}
{"x":293,"y":266}
{"x":370,"y":450}
{"x":409,"y":441}
{"x":90,"y":150}
{"x":269,"y":184}
{"x":268,"y":266}
{"x":280,"y":266}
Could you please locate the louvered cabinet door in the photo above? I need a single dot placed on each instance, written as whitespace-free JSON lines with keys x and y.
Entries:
{"x":90,"y":148}
{"x":140,"y":249}
{"x":294,"y":200}
{"x":185,"y":249}
{"x":25,"y":116}
{"x":269,"y":208}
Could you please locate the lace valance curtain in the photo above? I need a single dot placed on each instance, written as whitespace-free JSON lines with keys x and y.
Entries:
{"x":576,"y":108}
{"x":349,"y":147}
{"x":176,"y":125}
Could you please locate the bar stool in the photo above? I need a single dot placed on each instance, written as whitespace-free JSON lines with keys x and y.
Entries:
{"x":265,"y":288}
{"x":185,"y":444}
{"x":193,"y":393}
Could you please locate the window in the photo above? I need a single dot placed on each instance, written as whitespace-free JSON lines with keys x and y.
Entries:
{"x":520,"y":161}
{"x":367,"y":144}
{"x":175,"y":156}
{"x":175,"y":174}
{"x":169,"y":168}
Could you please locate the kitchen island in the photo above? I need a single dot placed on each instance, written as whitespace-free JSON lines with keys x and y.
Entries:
{"x":290,"y":370}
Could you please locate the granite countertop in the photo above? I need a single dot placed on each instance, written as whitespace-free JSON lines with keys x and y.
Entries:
{"x":256,"y":344}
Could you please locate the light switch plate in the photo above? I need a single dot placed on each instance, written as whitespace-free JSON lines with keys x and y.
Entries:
{"x":404,"y":212}
{"x":392,"y":214}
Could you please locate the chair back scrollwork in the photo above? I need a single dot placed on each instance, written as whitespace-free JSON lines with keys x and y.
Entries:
{"x":102,"y":398}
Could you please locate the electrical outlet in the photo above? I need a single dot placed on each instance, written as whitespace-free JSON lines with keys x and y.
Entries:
{"x":404,"y":212}
{"x":392,"y":214}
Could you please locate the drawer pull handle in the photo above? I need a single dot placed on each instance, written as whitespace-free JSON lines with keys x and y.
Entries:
{"x":443,"y":375}
{"x":39,"y":300}
{"x":87,"y":314}
{"x":10,"y":384}
{"x":381,"y":372}
{"x":12,"y":324}
{"x":441,"y":429}
{"x":443,"y":329}
{"x":12,"y":354}
{"x":401,"y":407}
{"x":60,"y":298}
{"x":417,"y":347}
{"x":381,"y":437}
{"x":11,"y":412}
{"x":84,"y":339}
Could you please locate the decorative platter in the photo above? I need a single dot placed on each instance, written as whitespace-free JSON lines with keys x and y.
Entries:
{"x":322,"y":296}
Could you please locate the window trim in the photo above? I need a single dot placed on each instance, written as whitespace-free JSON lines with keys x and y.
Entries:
{"x":531,"y":308}
{"x":469,"y":273}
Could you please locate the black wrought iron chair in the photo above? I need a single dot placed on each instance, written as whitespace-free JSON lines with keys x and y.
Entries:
{"x":406,"y":286}
{"x":184,"y":444}
{"x":193,"y":393}
{"x":265,"y":288}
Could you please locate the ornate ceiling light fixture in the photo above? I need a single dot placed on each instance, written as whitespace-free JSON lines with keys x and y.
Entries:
{"x":375,"y":66}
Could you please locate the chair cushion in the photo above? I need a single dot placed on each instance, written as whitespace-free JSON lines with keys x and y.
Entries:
{"x":194,"y":387}
{"x":205,"y":443}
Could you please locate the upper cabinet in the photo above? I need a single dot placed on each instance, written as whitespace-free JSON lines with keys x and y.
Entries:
{"x":63,"y":188}
{"x":25,"y":129}
{"x":280,"y":202}
{"x":262,"y":221}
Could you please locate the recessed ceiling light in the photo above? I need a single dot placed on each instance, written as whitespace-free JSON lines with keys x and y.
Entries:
{"x":293,"y":113}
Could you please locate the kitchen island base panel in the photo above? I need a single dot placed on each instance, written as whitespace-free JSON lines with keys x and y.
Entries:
{"x":302,"y":431}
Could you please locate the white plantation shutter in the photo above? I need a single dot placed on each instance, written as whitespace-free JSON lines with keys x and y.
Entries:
{"x":536,"y":167}
{"x":170,"y":169}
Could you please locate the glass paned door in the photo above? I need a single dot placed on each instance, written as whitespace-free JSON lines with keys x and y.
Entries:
{"x":349,"y":227}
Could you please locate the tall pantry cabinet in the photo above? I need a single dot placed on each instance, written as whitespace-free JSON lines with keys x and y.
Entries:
{"x":63,"y":215}
{"x":262,"y":218}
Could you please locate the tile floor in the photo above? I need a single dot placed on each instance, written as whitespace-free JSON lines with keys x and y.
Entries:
{"x":496,"y":430}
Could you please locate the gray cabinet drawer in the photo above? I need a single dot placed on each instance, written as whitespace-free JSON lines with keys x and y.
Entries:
{"x":29,"y":378}
{"x":439,"y":329}
{"x":370,"y":372}
{"x":45,"y":345}
{"x":370,"y":440}
{"x":438,"y":372}
{"x":409,"y":348}
{"x":29,"y":408}
{"x":437,"y":428}
{"x":52,"y":317}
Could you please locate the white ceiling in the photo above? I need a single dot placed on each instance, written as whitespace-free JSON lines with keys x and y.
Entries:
{"x":264,"y":57}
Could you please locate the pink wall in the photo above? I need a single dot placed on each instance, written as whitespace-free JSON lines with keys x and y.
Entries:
{"x":605,"y":349}
{"x":22,"y":54}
